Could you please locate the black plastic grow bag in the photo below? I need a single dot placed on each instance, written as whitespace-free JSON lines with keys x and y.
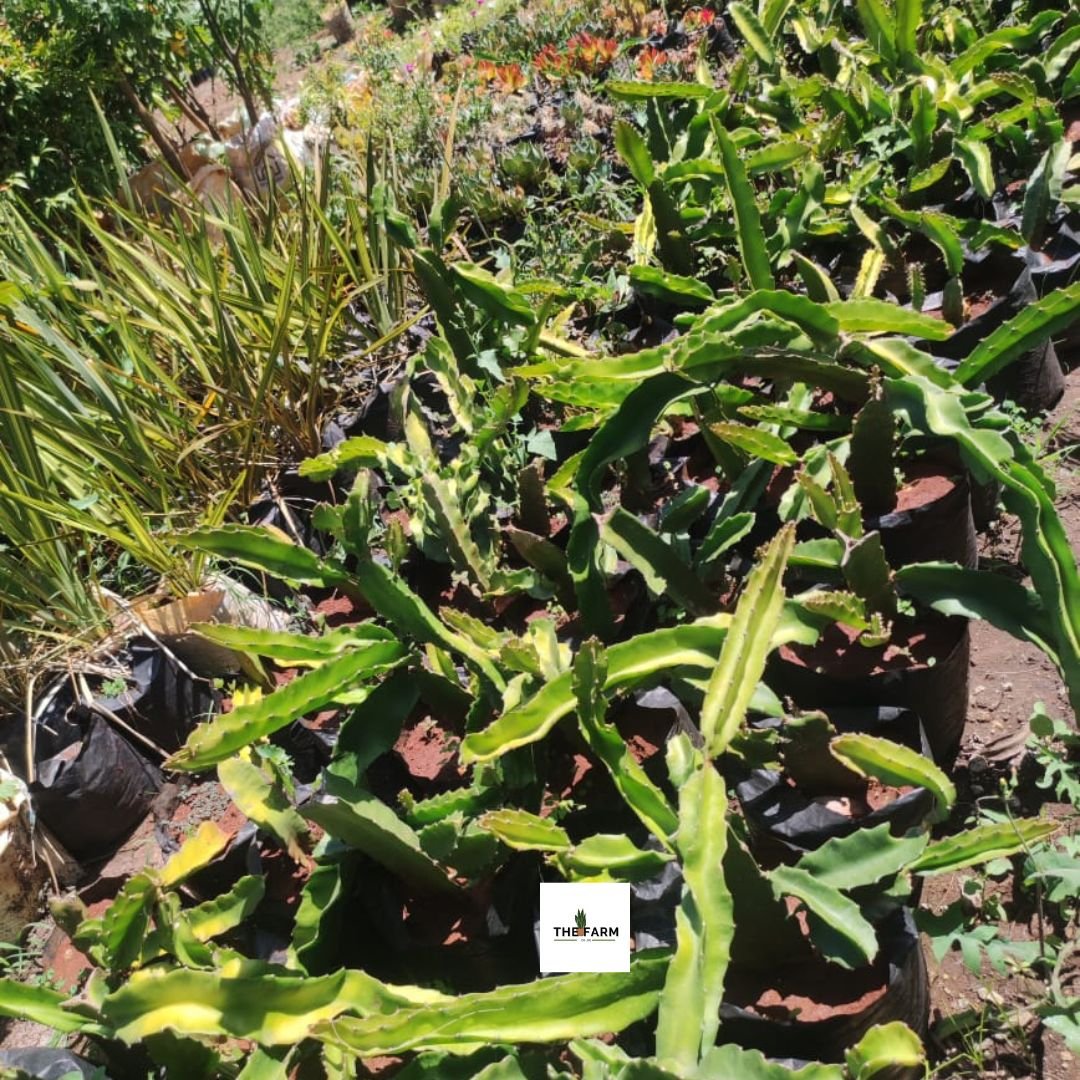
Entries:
{"x":906,"y":998}
{"x":95,"y":788}
{"x":796,"y":822}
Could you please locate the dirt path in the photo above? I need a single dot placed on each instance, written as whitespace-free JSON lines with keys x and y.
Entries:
{"x":1007,"y":678}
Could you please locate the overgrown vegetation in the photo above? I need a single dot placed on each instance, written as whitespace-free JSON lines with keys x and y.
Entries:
{"x":600,"y":362}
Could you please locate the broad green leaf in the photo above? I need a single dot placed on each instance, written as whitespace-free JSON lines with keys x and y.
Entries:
{"x":818,"y":284}
{"x":227,"y":911}
{"x":756,"y":442}
{"x":812,"y":317}
{"x":687,"y":507}
{"x":657,"y":560}
{"x":671,"y":239}
{"x":319,"y":923}
{"x":200,"y":849}
{"x":361,"y":452}
{"x":880,"y":27}
{"x":795,"y":417}
{"x":722,"y":535}
{"x":851,"y":940}
{"x":635,"y":154}
{"x":975,"y":157}
{"x":825,"y":553}
{"x":1043,"y":190}
{"x":39,"y":1004}
{"x":837,"y":605}
{"x":980,"y":594}
{"x":893,"y":763}
{"x":1061,"y":52}
{"x":221,"y":737}
{"x":695,"y":645}
{"x":612,"y":858}
{"x":545,"y":556}
{"x":898,"y":357}
{"x":1045,"y":548}
{"x":263,"y":1064}
{"x":772,"y":14}
{"x":734,"y":1062}
{"x":523,"y":831}
{"x":776,"y":156}
{"x":982,"y":844}
{"x":671,"y":288}
{"x":407,"y":612}
{"x":639,"y":91}
{"x":293,"y":650}
{"x":445,"y":509}
{"x":909,"y":17}
{"x":928,"y":177}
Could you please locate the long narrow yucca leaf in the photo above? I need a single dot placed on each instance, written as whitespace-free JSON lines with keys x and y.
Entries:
{"x":689,"y":1012}
{"x":909,"y":17}
{"x":547,"y":1010}
{"x":748,"y":231}
{"x":243,"y":1000}
{"x":695,"y":645}
{"x":746,"y":646}
{"x":215,"y":741}
{"x":852,"y":942}
{"x":983,"y":843}
{"x":641,"y":795}
{"x":753,"y":32}
{"x":1022,"y":333}
{"x":261,"y":549}
{"x":893,"y":763}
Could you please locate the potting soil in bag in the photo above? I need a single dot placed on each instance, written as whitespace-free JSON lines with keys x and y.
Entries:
{"x":94,"y":791}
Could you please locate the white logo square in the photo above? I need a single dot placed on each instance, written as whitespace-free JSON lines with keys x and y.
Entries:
{"x":584,"y":927}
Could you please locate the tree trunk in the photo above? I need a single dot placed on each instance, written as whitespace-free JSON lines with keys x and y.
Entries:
{"x":192,"y":109}
{"x":232,"y":55}
{"x":146,"y":118}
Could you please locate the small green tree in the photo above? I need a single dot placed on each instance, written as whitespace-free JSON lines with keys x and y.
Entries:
{"x":57,"y":55}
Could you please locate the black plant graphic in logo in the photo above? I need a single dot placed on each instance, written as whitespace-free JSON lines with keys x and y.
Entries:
{"x":579,"y":923}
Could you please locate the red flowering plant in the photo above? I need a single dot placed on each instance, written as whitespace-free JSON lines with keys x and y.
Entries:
{"x":506,"y":78}
{"x":509,"y":78}
{"x":590,"y":53}
{"x":648,"y":60}
{"x":552,"y":64}
{"x":699,"y":19}
{"x":586,"y":53}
